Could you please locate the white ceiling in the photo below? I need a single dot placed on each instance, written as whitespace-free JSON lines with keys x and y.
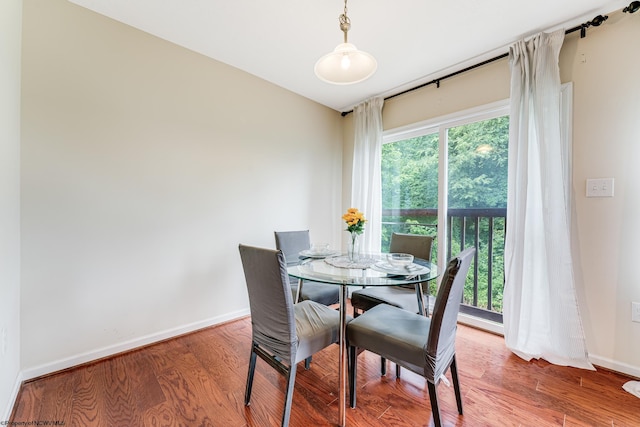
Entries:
{"x":414,"y":41}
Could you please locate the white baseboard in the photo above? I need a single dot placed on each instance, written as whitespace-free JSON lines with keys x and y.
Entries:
{"x":12,"y":399}
{"x":111,"y":350}
{"x":614,"y":365}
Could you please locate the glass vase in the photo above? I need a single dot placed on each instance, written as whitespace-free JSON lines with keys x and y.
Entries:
{"x":353,"y":249}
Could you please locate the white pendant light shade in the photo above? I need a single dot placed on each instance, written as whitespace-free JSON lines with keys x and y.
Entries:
{"x":345,"y":65}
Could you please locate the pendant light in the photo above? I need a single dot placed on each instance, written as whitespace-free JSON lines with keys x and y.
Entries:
{"x":346,"y":64}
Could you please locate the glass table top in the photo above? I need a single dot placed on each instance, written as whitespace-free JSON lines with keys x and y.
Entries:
{"x":375,"y":271}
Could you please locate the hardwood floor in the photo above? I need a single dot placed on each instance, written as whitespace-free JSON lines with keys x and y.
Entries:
{"x":198,"y":380}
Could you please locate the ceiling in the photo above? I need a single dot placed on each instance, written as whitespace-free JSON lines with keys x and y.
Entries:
{"x":414,"y":41}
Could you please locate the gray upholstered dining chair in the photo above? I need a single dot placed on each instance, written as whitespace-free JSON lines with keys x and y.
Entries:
{"x":291,"y":243}
{"x":283,"y":333}
{"x":405,"y":297}
{"x":399,"y":296}
{"x":423,"y":345}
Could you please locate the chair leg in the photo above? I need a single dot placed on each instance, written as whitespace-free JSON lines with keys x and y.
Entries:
{"x":298,"y":292}
{"x":291,"y":380}
{"x":435,"y":410}
{"x":383,"y":366}
{"x":252,"y":368}
{"x":398,"y":370}
{"x":353,"y":362}
{"x":456,"y":384}
{"x":307,"y":363}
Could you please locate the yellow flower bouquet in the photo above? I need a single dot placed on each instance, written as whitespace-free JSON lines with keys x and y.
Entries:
{"x":355,"y":220}
{"x":355,"y":225}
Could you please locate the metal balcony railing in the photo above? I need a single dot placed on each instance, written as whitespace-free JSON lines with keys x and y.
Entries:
{"x":483,"y":229}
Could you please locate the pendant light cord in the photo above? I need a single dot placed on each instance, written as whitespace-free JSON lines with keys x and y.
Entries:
{"x":345,"y":22}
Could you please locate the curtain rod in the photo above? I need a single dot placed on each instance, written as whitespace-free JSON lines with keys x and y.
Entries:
{"x":583,"y":32}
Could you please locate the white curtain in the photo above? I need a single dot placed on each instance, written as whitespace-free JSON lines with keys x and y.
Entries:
{"x":541,"y":314}
{"x":366,"y":186}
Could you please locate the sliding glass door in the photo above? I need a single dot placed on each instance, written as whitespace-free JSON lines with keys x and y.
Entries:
{"x":477,"y":208}
{"x":448,"y":178}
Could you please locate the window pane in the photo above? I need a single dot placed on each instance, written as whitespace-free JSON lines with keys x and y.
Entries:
{"x":475,"y":191}
{"x":410,"y":187}
{"x":478,"y":164}
{"x":477,"y":197}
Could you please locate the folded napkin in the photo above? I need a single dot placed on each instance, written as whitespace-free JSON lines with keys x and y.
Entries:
{"x":632,"y":387}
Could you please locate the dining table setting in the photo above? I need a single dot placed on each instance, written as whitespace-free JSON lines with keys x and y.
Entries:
{"x":322,"y":264}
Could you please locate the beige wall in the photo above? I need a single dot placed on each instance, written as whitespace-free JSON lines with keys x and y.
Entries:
{"x":604,"y":68}
{"x":10,"y":29}
{"x":144,"y":165}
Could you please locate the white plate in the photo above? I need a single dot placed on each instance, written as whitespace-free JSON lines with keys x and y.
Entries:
{"x":413,"y":270}
{"x":311,"y":254}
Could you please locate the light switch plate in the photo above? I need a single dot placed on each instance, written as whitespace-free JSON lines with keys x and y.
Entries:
{"x":635,"y":312}
{"x":601,"y":187}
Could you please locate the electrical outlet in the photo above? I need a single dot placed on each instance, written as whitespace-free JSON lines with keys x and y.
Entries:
{"x":602,"y":187}
{"x":635,"y":312}
{"x":3,"y":341}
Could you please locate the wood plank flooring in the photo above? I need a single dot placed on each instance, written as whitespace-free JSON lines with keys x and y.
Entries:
{"x":198,"y":380}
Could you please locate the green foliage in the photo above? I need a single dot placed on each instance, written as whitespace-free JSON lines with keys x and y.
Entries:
{"x":410,"y":173}
{"x":478,"y":154}
{"x":477,"y":168}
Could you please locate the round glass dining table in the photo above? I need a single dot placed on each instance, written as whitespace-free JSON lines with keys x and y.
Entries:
{"x":367,"y":270}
